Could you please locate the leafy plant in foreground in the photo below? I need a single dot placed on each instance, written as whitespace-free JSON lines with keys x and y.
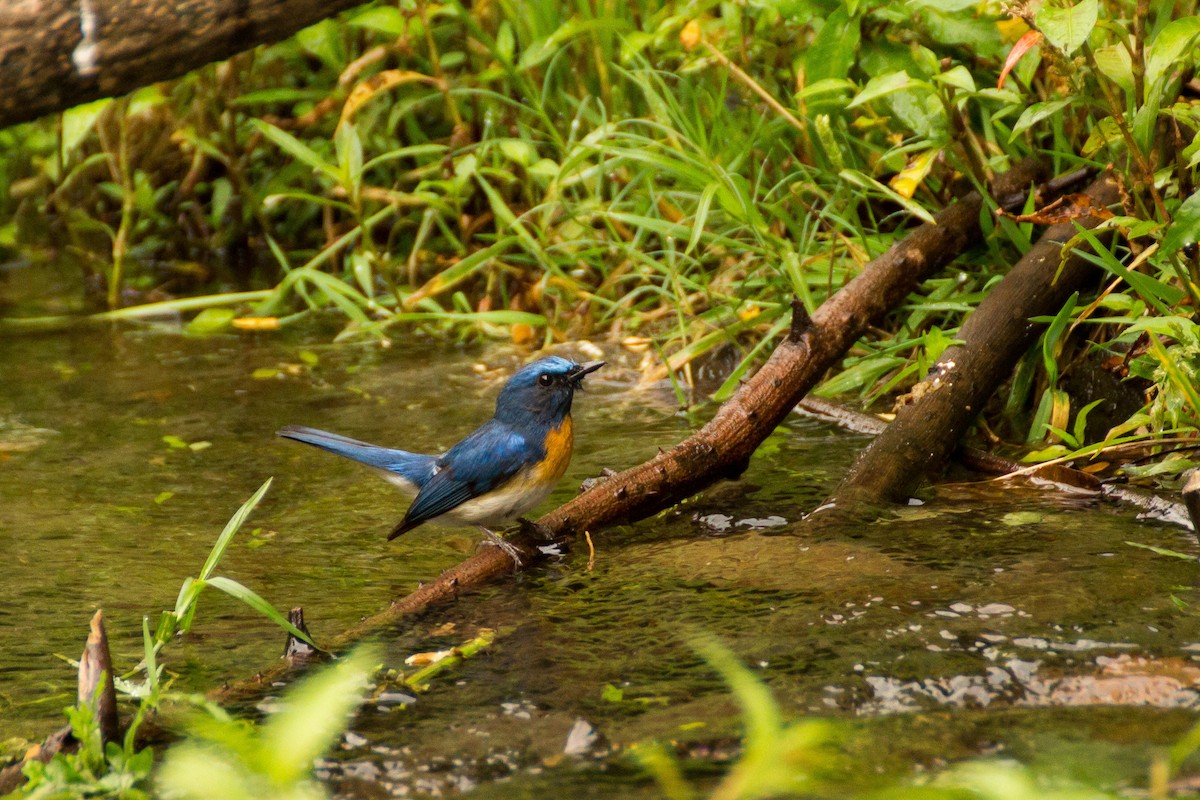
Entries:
{"x":120,"y":770}
{"x":234,"y":760}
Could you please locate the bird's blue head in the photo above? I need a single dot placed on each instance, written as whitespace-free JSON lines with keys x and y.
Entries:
{"x":540,"y":393}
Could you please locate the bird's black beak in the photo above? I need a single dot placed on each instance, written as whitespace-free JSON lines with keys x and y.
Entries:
{"x":576,"y":375}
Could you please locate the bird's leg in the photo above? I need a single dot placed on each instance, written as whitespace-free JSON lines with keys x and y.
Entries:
{"x":497,"y":540}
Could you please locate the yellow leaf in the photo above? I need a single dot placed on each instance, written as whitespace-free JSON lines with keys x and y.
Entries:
{"x":375,"y":84}
{"x":256,"y":323}
{"x":1012,"y":28}
{"x":908,"y":179}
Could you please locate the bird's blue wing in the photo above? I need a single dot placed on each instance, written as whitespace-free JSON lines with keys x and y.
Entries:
{"x":486,"y":459}
{"x":416,"y":468}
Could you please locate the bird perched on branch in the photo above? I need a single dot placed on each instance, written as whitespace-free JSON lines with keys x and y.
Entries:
{"x":494,"y":475}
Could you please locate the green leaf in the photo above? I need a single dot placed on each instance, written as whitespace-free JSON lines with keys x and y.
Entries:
{"x":833,"y":51}
{"x":1067,"y":28}
{"x":1050,"y":340}
{"x":77,"y":122}
{"x":1117,"y":65}
{"x":297,"y":149}
{"x":945,"y":6}
{"x":145,"y":99}
{"x":1185,"y":227}
{"x":258,"y":603}
{"x":1174,"y":47}
{"x":518,"y":151}
{"x":611,"y":694}
{"x":867,"y":182}
{"x":884,"y":85}
{"x":149,"y":652}
{"x":350,"y":155}
{"x":542,"y":49}
{"x":760,"y":713}
{"x":1019,"y":519}
{"x":231,"y":527}
{"x":211,"y":320}
{"x":1162,"y":551}
{"x":1103,"y":134}
{"x":315,"y":713}
{"x":384,"y":19}
{"x":957,"y":76}
{"x":1036,"y":113}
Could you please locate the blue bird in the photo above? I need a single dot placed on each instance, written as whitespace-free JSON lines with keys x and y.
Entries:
{"x":496,"y":474}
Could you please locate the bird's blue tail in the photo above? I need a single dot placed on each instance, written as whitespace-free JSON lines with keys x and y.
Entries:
{"x":415,"y":468}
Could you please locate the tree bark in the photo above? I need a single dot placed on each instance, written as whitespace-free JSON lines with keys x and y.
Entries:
{"x":1059,"y":475}
{"x":926,"y":430}
{"x":55,"y":54}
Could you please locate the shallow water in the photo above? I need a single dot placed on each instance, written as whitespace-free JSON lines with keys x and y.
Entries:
{"x":992,"y":619}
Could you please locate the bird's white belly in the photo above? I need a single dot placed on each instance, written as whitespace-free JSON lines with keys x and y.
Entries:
{"x":501,"y":506}
{"x":399,"y":481}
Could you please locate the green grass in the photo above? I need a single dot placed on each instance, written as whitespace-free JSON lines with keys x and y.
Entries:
{"x":667,"y":172}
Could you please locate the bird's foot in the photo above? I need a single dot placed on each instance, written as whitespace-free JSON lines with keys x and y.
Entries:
{"x":496,"y":540}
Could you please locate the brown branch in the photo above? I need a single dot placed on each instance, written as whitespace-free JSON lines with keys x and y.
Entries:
{"x":1057,"y":475}
{"x":55,"y":54}
{"x":927,"y":430}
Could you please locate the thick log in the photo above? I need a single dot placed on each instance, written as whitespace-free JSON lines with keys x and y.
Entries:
{"x":927,"y":430}
{"x":55,"y":54}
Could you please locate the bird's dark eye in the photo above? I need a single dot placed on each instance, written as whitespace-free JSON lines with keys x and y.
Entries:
{"x":545,"y":379}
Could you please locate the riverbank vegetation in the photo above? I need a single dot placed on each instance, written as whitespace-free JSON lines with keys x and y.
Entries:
{"x":668,"y":176}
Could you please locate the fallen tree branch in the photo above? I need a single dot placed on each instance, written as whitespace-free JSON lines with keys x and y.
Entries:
{"x":1058,"y":475}
{"x":55,"y":54}
{"x":927,"y":429}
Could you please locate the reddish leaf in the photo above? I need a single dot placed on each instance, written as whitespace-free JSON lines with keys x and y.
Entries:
{"x":1030,"y":40}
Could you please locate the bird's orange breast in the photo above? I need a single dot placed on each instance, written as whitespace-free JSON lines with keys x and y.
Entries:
{"x":559,"y":443}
